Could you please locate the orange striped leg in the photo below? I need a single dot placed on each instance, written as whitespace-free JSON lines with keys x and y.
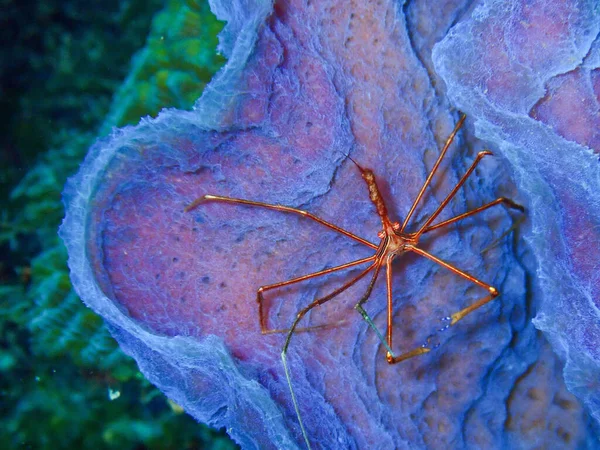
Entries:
{"x":261,"y":290}
{"x":493,"y":292}
{"x":501,"y":200}
{"x":241,"y":201}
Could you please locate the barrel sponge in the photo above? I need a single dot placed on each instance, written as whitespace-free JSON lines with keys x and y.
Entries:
{"x":305,"y":86}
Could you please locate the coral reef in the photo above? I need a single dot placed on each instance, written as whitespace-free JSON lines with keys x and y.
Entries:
{"x":171,"y":71}
{"x":305,"y":86}
{"x":59,"y":79}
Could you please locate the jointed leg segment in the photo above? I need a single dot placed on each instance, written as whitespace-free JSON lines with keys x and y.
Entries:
{"x":501,"y":200}
{"x":301,"y":212}
{"x":452,"y":193}
{"x":391,"y":358}
{"x":433,"y":171}
{"x":323,"y":300}
{"x":493,"y":292}
{"x":365,"y":297}
{"x":261,"y":290}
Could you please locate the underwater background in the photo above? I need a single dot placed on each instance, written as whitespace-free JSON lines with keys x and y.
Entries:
{"x":66,"y":77}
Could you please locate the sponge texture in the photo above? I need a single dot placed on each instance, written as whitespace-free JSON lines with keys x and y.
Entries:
{"x":305,"y":87}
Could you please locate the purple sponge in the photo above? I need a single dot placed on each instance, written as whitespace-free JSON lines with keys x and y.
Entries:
{"x":308,"y":84}
{"x":530,"y":74}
